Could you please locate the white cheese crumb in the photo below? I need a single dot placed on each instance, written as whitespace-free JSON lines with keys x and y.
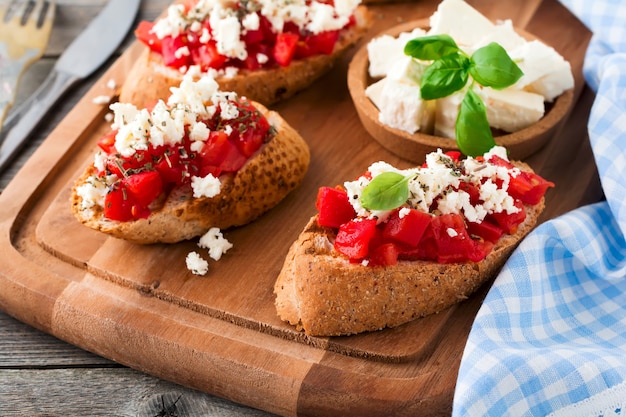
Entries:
{"x":182,"y":51}
{"x":111,"y":84}
{"x":108,"y":117}
{"x":208,"y":186}
{"x":451,"y":232}
{"x":214,"y":241}
{"x":199,"y":131}
{"x":262,"y":58}
{"x":403,"y":212}
{"x":196,"y":264}
{"x":101,"y":100}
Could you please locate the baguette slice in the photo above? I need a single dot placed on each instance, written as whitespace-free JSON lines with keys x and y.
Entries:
{"x":149,"y":79}
{"x":319,"y":291}
{"x":264,"y":180}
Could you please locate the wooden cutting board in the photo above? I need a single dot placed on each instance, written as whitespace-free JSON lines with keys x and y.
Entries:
{"x":139,"y":306}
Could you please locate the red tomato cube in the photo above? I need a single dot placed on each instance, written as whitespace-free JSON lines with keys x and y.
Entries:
{"x":407,"y":229}
{"x":353,"y":238}
{"x":334,"y":208}
{"x":285,"y":48}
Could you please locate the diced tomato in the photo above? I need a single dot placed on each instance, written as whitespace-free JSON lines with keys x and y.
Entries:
{"x":285,"y":48}
{"x":455,"y":155}
{"x":170,"y":47}
{"x":249,"y":139}
{"x":144,"y":187}
{"x":509,"y":222}
{"x":407,"y":229}
{"x":144,"y":34}
{"x":384,"y":255}
{"x":107,"y":142}
{"x":320,"y":43}
{"x":169,"y":167}
{"x":291,"y":27}
{"x":206,"y":56}
{"x":427,"y":248}
{"x":269,"y":35}
{"x":479,"y":250}
{"x":453,"y":241}
{"x":117,"y":206}
{"x":529,"y":187}
{"x":222,"y":153}
{"x":486,"y":230}
{"x":334,"y":208}
{"x":496,"y":160}
{"x":252,"y":37}
{"x":353,"y":238}
{"x":472,"y":190}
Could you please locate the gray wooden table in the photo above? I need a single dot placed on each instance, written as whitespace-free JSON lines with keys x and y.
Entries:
{"x":43,"y":376}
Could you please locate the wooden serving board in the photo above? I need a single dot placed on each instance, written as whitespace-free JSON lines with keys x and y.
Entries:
{"x":140,"y":306}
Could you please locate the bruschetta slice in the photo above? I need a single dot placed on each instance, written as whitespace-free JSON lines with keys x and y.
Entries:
{"x":265,"y":50}
{"x":204,"y":159}
{"x":395,"y":245}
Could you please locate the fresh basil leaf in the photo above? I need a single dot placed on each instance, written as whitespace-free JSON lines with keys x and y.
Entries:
{"x":473,"y":134}
{"x":444,"y":76}
{"x":386,"y":191}
{"x":430,"y":48}
{"x":492,"y":67}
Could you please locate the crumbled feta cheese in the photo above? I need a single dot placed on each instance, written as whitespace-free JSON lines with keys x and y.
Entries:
{"x":439,"y":181}
{"x":403,"y":212}
{"x":214,"y":241}
{"x":101,"y":100}
{"x":451,"y":232}
{"x":251,"y":21}
{"x":182,"y":51}
{"x":92,"y":192}
{"x":196,"y":264}
{"x":228,"y":20}
{"x":199,"y":132}
{"x":208,"y":186}
{"x":111,"y":84}
{"x":262,"y":58}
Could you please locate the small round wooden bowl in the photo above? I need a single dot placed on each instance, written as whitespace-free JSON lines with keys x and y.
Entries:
{"x":414,"y":147}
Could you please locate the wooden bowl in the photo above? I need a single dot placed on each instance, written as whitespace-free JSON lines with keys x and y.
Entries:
{"x":414,"y":147}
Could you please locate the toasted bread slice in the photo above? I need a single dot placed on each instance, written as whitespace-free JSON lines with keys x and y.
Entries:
{"x":149,"y":79}
{"x":265,"y":179}
{"x":319,"y":291}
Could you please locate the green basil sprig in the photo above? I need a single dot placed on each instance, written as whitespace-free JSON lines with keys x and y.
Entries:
{"x":489,"y":66}
{"x":386,"y":191}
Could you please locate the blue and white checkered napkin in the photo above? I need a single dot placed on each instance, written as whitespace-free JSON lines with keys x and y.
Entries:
{"x":550,"y":338}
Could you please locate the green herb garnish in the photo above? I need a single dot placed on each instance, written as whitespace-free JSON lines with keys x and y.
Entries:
{"x":386,"y":191}
{"x":489,"y":66}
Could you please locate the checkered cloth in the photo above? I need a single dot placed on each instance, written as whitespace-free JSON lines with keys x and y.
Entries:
{"x":550,"y":337}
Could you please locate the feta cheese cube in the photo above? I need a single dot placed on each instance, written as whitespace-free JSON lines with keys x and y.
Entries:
{"x":546,"y":72}
{"x":466,"y":25}
{"x":407,"y":70}
{"x":446,"y":112}
{"x":505,"y":35}
{"x":401,"y":106}
{"x":385,"y":50}
{"x":512,"y":110}
{"x":375,"y":91}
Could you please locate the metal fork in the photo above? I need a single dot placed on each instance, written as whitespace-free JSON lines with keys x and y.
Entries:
{"x":25,"y":27}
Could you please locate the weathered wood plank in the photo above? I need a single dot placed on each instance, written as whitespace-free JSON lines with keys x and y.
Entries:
{"x":120,"y":392}
{"x":22,"y":346}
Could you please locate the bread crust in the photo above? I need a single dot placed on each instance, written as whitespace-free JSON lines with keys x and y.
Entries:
{"x":264,"y":180}
{"x":149,"y":79}
{"x":319,"y":291}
